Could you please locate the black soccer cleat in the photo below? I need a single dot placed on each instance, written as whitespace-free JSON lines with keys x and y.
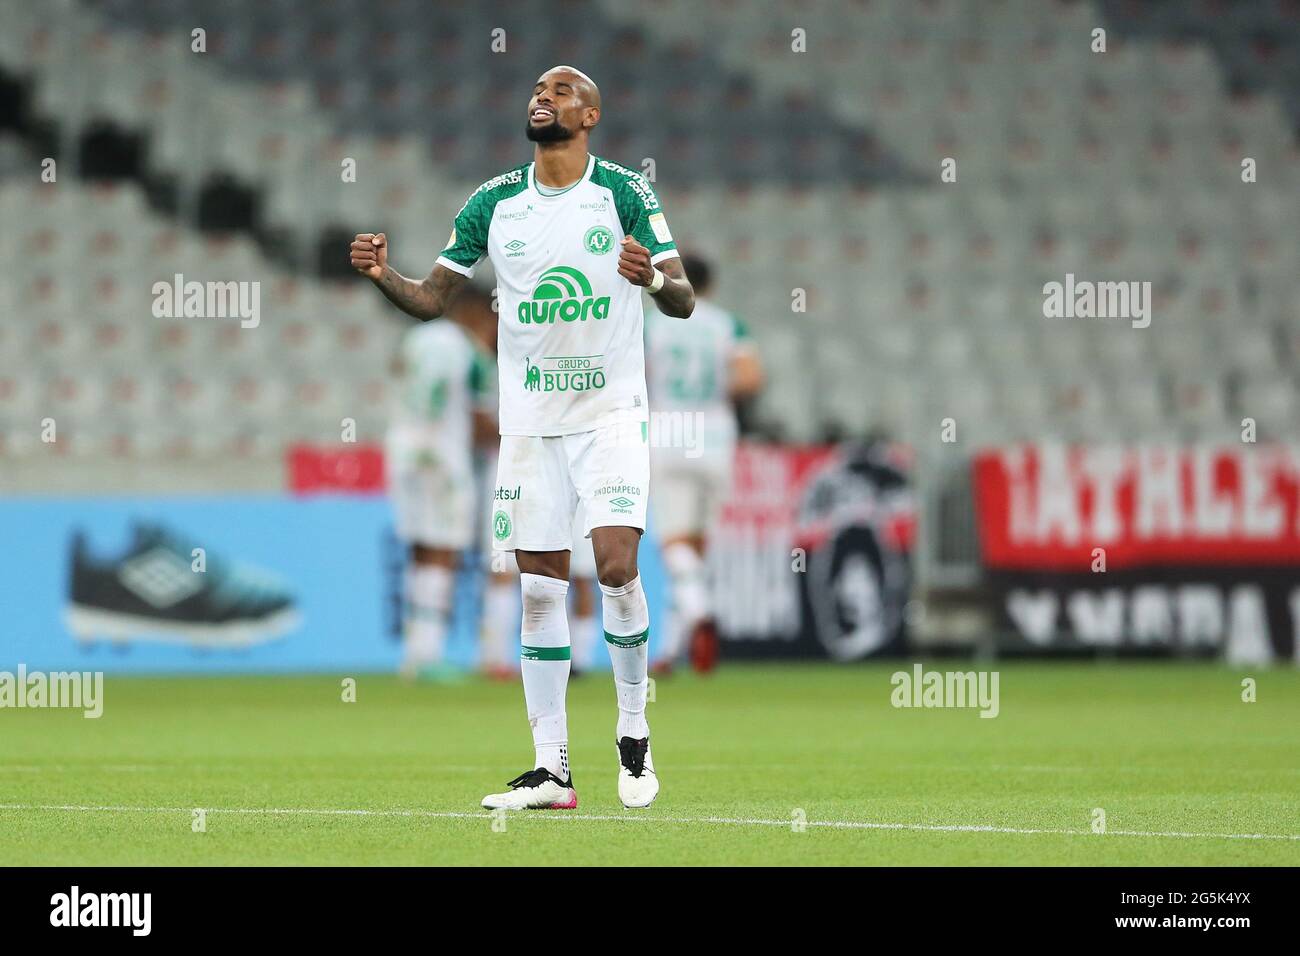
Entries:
{"x":153,"y":592}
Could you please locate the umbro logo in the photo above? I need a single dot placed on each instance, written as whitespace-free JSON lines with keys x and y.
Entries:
{"x":160,"y":577}
{"x":621,"y":502}
{"x":516,"y":248}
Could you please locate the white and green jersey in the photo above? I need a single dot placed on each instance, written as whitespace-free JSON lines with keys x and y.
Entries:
{"x":444,"y":376}
{"x":570,"y":353}
{"x":689,"y":365}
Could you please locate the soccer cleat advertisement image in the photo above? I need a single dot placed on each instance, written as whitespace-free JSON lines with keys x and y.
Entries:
{"x":888,"y":409}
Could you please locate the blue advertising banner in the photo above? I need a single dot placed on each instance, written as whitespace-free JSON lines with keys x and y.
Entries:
{"x":224,"y":584}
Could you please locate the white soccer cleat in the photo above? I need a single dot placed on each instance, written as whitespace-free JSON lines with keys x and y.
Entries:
{"x":535,"y":790}
{"x":637,"y":784}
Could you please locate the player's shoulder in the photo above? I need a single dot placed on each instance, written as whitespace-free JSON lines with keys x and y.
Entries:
{"x":612,"y":168}
{"x":622,"y":179}
{"x":501,"y":186}
{"x":728,"y":323}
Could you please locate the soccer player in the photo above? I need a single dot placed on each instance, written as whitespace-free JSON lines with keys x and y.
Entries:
{"x":441,"y":405}
{"x":574,"y":240}
{"x":696,"y":371}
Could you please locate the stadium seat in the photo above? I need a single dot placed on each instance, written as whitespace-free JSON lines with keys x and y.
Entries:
{"x":942,"y":280}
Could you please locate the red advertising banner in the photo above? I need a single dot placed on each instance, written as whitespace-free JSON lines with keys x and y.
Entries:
{"x":1144,"y":549}
{"x":358,"y":469}
{"x":755,"y":593}
{"x":1048,"y":507}
{"x":811,"y":553}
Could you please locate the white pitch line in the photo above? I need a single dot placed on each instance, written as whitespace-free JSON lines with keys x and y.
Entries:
{"x":648,"y":818}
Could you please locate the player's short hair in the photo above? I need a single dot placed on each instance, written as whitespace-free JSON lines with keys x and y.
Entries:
{"x":698,"y":271}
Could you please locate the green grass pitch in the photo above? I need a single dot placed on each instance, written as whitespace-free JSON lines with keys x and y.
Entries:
{"x":1186,"y":772}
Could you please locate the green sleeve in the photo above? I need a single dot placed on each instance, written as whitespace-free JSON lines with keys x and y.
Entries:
{"x":639,"y":211}
{"x":468,"y":242}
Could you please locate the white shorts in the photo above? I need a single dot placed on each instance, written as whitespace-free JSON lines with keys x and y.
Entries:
{"x":689,"y":493}
{"x":541,"y":481}
{"x":434,"y":504}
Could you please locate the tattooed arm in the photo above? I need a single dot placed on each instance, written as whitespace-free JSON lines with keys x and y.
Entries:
{"x":676,"y":298}
{"x":423,"y":300}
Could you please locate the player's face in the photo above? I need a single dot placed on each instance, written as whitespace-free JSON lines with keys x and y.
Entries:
{"x":556,"y":109}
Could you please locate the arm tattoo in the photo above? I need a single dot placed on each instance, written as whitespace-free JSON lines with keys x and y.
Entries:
{"x":676,"y":298}
{"x":423,"y":300}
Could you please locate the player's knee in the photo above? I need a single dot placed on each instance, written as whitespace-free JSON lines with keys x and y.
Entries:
{"x":539,"y":592}
{"x":423,"y":554}
{"x":614,"y":572}
{"x":584,"y":602}
{"x":543,"y":599}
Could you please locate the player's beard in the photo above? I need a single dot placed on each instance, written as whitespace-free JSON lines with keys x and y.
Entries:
{"x":552,"y":132}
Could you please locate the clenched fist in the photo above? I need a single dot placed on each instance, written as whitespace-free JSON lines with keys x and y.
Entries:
{"x":370,"y":254}
{"x":634,"y":262}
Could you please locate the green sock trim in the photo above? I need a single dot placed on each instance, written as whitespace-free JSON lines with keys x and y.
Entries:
{"x":631,"y":640}
{"x":544,"y":653}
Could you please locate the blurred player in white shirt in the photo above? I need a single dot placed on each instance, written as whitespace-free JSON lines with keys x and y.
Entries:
{"x":444,"y":405}
{"x":499,"y":622}
{"x":695,"y":371}
{"x":583,"y":586}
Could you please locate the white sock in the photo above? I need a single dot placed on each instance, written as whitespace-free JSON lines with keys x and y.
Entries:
{"x":500,"y":620}
{"x":428,"y":605}
{"x":627,"y":631}
{"x":544,"y":660}
{"x":690,"y":595}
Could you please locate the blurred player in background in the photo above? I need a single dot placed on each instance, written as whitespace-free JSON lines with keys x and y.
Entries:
{"x":443,"y":405}
{"x":499,"y":622}
{"x":695,"y":371}
{"x":499,"y":625}
{"x":583,"y":585}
